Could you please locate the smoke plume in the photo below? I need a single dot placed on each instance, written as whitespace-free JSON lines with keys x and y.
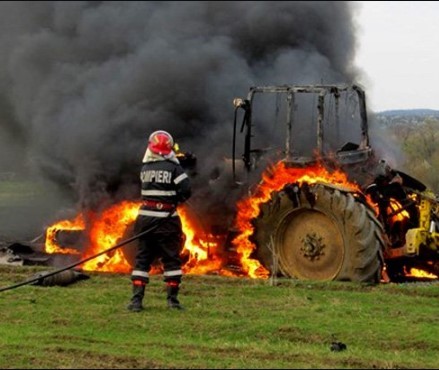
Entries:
{"x":83,"y":84}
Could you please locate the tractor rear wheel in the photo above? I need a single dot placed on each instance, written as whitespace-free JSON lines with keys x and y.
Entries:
{"x":325,"y":234}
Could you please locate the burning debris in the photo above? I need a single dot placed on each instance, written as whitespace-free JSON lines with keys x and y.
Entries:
{"x":19,"y":254}
{"x":115,"y":224}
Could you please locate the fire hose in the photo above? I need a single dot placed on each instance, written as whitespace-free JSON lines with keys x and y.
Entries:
{"x":118,"y":245}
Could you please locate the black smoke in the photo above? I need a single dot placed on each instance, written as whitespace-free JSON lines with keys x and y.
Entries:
{"x":83,"y":83}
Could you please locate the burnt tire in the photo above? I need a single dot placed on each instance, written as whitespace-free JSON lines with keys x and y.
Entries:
{"x":129,"y":250}
{"x":327,"y":235}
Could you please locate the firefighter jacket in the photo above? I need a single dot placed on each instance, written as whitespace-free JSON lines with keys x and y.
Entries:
{"x":164,"y":185}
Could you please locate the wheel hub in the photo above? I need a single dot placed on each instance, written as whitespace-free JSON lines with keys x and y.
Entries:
{"x":312,"y":246}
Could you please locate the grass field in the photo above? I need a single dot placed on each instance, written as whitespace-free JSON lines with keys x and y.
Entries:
{"x":229,"y":323}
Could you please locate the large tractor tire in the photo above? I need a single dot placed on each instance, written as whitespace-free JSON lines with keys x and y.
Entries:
{"x":325,"y":233}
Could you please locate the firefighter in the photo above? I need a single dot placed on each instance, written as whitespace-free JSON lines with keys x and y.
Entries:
{"x":164,"y":185}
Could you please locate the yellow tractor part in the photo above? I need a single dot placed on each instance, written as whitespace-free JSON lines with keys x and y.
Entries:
{"x":425,"y":235}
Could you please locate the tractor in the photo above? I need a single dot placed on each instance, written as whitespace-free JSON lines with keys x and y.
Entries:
{"x":315,"y":229}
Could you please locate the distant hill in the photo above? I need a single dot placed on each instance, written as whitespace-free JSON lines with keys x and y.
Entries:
{"x":410,"y":112}
{"x":404,"y":116}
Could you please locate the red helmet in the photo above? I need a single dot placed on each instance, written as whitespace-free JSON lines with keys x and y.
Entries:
{"x":160,"y":142}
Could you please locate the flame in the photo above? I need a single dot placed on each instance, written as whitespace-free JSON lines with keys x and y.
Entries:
{"x":107,"y":228}
{"x":274,"y":179}
{"x":106,"y":231}
{"x":51,"y":245}
{"x":397,"y":210}
{"x":414,"y":272}
{"x":202,"y":248}
{"x":202,"y":252}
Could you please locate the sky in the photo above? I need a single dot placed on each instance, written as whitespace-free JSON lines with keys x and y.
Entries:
{"x":399,"y":54}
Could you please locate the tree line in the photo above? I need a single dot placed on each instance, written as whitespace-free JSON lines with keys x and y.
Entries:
{"x":418,"y":142}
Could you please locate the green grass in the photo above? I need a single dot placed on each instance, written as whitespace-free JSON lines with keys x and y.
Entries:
{"x":229,"y":323}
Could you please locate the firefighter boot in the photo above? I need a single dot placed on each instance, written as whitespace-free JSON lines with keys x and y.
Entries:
{"x":137,"y":298}
{"x":172,"y":289}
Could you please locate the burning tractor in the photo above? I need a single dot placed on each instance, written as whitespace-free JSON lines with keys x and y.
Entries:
{"x":314,"y":204}
{"x":327,"y":208}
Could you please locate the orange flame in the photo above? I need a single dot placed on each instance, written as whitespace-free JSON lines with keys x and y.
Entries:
{"x":201,"y":248}
{"x":107,"y":228}
{"x":202,"y":251}
{"x":106,"y":231}
{"x":275,"y":179}
{"x":421,"y":274}
{"x":51,"y":245}
{"x":396,"y":208}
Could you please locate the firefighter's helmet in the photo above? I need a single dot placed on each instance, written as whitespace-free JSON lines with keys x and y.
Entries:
{"x":160,"y":142}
